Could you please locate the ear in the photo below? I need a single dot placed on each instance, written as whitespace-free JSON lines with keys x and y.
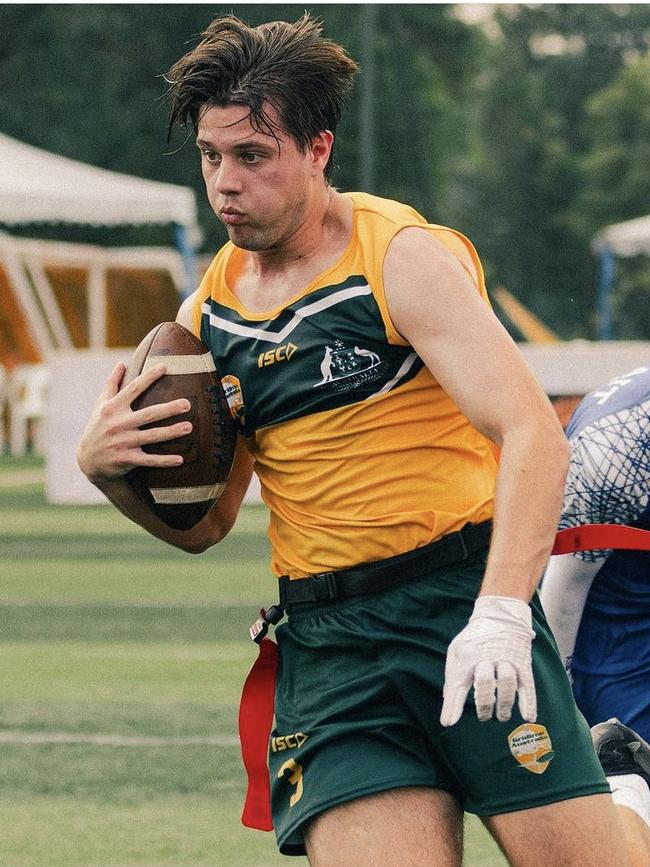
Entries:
{"x":320,"y":150}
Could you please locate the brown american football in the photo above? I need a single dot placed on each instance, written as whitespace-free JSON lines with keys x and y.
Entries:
{"x":180,"y":496}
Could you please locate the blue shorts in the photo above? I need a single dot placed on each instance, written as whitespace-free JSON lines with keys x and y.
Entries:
{"x":624,"y":696}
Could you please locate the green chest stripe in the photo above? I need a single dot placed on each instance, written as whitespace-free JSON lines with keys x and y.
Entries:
{"x":322,"y":352}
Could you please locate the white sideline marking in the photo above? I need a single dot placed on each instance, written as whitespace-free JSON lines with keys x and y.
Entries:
{"x":85,"y":602}
{"x":17,"y":737}
{"x":18,"y":478}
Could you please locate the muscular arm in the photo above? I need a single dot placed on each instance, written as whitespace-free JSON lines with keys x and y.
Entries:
{"x":112,"y":445}
{"x":436,"y":307}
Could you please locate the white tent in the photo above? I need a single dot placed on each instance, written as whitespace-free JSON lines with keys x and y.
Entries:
{"x":38,"y":186}
{"x":631,"y":238}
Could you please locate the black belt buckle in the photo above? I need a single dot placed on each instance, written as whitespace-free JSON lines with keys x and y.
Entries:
{"x":324,"y":586}
{"x":268,"y":617}
{"x":464,"y":552}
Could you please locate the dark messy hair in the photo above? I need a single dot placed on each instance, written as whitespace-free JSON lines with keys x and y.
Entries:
{"x":291,"y":67}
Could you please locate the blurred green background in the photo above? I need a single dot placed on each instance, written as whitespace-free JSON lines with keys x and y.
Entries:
{"x":526,"y":126}
{"x":121,"y":664}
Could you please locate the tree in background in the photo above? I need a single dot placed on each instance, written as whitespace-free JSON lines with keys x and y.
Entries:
{"x":616,"y":184}
{"x":85,"y":81}
{"x":526,"y":171}
{"x":529,"y":140}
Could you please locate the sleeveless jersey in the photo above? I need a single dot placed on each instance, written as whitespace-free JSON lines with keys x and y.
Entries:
{"x":609,"y":482}
{"x":360,"y":453}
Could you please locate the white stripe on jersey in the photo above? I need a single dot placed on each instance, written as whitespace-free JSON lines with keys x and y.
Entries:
{"x":299,"y":315}
{"x":407,"y":364}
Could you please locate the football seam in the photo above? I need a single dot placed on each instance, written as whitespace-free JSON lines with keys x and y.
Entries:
{"x":215,"y":399}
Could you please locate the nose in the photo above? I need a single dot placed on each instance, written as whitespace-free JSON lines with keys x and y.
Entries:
{"x":227,"y":180}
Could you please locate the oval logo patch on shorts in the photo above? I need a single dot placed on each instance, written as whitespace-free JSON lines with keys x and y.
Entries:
{"x":531,"y":746}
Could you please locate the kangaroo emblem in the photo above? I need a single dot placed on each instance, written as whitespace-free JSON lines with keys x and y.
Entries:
{"x":341,"y":363}
{"x":326,"y":366}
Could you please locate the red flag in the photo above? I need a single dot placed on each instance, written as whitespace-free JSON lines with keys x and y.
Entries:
{"x":591,"y":537}
{"x":255,"y":722}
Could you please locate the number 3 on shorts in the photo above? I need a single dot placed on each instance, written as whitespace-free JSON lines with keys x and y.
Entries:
{"x":295,"y":778}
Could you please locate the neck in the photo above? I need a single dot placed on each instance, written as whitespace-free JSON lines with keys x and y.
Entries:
{"x":318,"y":226}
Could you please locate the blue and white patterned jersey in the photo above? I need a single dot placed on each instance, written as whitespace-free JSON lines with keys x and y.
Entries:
{"x":609,"y":482}
{"x":609,"y":474}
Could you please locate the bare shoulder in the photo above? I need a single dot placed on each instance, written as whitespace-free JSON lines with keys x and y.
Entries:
{"x":185,"y":315}
{"x":428,"y":286}
{"x":417,"y":250}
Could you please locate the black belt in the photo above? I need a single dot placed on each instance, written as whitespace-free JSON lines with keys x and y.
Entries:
{"x":384,"y":574}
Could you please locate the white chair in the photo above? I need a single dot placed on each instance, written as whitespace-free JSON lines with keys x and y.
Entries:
{"x":27,"y":398}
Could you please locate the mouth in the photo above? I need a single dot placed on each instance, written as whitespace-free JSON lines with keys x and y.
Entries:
{"x":231,"y":217}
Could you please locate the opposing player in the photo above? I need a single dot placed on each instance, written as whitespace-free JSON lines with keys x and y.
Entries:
{"x":598,"y":602}
{"x":385,"y":381}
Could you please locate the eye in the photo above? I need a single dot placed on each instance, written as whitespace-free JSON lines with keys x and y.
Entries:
{"x":210,"y":157}
{"x":250,"y":157}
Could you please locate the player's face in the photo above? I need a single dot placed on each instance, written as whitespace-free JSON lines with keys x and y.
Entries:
{"x":258,"y":187}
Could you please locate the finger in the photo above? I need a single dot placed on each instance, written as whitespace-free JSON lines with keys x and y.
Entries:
{"x":506,"y":690}
{"x":112,"y":384}
{"x":453,"y":704}
{"x":160,"y":411}
{"x":162,"y":434}
{"x":142,"y":382}
{"x":144,"y":459}
{"x":527,"y":696}
{"x":454,"y":693}
{"x":484,"y":690}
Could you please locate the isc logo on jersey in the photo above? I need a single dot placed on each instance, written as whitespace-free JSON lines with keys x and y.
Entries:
{"x":282,"y":353}
{"x":531,"y":746}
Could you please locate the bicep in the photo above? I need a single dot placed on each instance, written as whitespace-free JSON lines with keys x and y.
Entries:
{"x":437,"y":309}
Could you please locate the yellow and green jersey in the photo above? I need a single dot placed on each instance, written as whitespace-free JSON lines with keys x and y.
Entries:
{"x":360,"y":452}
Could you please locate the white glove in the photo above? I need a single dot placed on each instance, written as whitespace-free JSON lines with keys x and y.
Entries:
{"x":494,"y":653}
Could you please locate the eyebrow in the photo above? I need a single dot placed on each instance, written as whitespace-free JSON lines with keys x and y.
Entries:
{"x":239,"y":146}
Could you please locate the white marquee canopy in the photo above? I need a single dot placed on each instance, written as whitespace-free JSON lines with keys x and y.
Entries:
{"x":631,"y":238}
{"x":38,"y":186}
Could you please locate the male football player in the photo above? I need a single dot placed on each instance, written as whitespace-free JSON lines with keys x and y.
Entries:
{"x":373,"y":437}
{"x":598,"y":602}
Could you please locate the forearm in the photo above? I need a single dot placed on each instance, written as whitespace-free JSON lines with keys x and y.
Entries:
{"x":123,"y":497}
{"x":209,"y":531}
{"x":564,"y":591}
{"x":530,"y":487}
{"x":112,"y":445}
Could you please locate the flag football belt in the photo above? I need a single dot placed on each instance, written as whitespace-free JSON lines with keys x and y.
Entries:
{"x":384,"y":574}
{"x":256,"y":708}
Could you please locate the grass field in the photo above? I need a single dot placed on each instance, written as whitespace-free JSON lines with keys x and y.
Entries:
{"x":121,"y":664}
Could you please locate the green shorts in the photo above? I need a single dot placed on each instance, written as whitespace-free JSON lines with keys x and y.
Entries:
{"x":358,"y":699}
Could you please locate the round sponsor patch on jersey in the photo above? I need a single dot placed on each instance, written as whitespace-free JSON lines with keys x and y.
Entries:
{"x":531,"y":746}
{"x":232,"y":390}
